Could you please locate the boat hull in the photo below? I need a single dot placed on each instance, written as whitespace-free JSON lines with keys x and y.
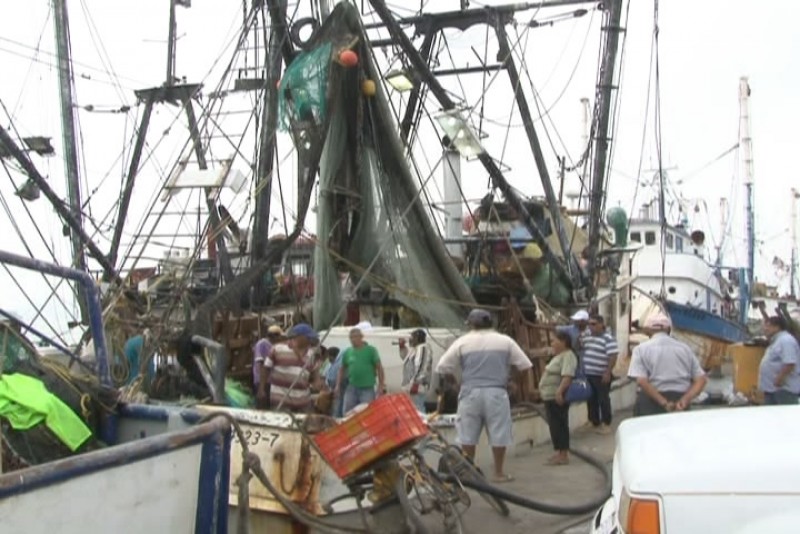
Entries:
{"x":169,"y":483}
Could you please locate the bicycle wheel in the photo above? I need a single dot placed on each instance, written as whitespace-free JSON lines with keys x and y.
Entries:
{"x":453,"y":462}
{"x":422,"y":492}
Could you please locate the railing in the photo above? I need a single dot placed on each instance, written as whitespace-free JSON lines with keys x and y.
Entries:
{"x":92,"y":302}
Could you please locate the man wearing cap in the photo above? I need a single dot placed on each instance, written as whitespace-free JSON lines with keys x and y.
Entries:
{"x":666,"y":370}
{"x":288,"y":370}
{"x":485,"y":358}
{"x":779,"y":372}
{"x":261,"y":350}
{"x":361,"y":365}
{"x":577,"y":330}
{"x":417,"y":367}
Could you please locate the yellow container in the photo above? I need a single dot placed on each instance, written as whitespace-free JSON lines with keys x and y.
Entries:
{"x":746,"y":360}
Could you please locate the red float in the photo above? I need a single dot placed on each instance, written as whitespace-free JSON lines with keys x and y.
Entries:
{"x":348,"y":58}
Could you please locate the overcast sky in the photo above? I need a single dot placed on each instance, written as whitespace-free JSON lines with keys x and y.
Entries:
{"x":704,"y":48}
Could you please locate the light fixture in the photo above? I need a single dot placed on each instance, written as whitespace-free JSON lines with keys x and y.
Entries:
{"x":460,"y":134}
{"x":399,"y":80}
{"x":39,"y":144}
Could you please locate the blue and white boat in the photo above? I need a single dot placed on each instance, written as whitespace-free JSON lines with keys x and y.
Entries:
{"x":672,"y":275}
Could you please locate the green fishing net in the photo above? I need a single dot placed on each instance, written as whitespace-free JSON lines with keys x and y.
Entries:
{"x":303,"y":89}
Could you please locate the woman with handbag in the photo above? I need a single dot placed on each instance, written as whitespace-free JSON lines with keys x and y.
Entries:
{"x":553,"y":389}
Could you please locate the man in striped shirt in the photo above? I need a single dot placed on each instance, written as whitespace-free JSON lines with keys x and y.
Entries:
{"x":288,"y":370}
{"x":600,"y":352}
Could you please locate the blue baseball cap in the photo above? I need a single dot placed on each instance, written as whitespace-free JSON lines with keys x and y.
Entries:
{"x":302,"y":330}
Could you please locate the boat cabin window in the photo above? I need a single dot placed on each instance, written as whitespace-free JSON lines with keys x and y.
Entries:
{"x":636,"y":237}
{"x":678,"y":244}
{"x":649,"y":238}
{"x":670,"y":241}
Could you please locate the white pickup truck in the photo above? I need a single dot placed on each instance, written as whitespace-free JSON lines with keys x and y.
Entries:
{"x":731,"y":471}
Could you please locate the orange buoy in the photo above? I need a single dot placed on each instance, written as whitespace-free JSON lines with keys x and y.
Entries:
{"x":348,"y":58}
{"x":368,"y":88}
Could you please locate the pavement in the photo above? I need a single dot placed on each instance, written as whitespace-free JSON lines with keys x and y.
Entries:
{"x":567,"y":485}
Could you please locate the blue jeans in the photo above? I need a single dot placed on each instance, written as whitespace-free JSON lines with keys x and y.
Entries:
{"x":354,"y":396}
{"x":780,"y":397}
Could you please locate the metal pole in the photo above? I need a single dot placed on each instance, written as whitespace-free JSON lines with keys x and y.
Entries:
{"x":133,"y":169}
{"x":414,"y":98}
{"x":441,"y":94}
{"x":452,"y":197}
{"x":266,"y":155}
{"x":793,"y":270}
{"x":747,"y":161}
{"x":213,"y":216}
{"x":92,"y":303}
{"x":66,"y":215}
{"x":68,"y":130}
{"x":533,"y":140}
{"x":602,"y":141}
{"x":171,"y":45}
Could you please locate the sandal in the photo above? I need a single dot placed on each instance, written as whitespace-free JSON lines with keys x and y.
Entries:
{"x":557,"y":461}
{"x":501,"y":479}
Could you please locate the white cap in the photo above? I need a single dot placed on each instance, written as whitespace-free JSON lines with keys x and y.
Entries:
{"x":658,"y":321}
{"x":580,"y":315}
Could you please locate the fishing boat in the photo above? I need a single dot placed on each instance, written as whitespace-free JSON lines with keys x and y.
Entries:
{"x":161,"y":478}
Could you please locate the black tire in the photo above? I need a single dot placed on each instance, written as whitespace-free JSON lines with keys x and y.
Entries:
{"x":413,"y":519}
{"x":454,"y":463}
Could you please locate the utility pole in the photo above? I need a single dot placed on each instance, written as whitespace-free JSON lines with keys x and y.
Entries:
{"x":793,"y":231}
{"x":605,"y":90}
{"x":68,"y":131}
{"x":746,"y":143}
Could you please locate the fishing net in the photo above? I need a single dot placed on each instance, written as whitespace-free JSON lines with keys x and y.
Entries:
{"x":371,"y":221}
{"x":82,"y":394}
{"x":302,"y":95}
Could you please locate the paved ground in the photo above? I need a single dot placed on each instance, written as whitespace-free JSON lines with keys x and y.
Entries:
{"x":572,"y":484}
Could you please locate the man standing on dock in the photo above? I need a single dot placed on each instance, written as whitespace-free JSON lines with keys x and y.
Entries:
{"x":417,"y":367}
{"x":666,"y":370}
{"x":600,"y":352}
{"x":361,"y":364}
{"x":485,"y":358}
{"x":779,"y":373}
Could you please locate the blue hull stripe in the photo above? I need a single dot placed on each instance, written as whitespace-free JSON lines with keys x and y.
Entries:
{"x":706,"y":324}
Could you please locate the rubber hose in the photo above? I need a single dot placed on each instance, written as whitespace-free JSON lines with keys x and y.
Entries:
{"x":544,"y":507}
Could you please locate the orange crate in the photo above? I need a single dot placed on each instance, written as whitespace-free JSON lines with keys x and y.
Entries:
{"x":388,"y":423}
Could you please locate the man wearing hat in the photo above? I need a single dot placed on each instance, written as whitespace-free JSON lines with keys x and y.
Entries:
{"x":417,"y":367}
{"x":666,"y":370}
{"x":261,"y":350}
{"x":484,"y":357}
{"x":288,"y":370}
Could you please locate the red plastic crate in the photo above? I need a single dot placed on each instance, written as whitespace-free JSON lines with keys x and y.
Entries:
{"x":388,"y":423}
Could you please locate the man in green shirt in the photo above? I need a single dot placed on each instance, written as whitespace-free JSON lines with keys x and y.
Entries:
{"x":362,"y":366}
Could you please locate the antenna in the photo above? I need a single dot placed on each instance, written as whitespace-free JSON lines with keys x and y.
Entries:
{"x":746,"y":143}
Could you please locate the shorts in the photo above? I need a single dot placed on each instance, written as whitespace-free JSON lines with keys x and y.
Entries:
{"x":484,"y":407}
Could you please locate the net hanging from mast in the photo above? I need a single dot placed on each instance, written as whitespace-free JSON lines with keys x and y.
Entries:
{"x":371,"y":221}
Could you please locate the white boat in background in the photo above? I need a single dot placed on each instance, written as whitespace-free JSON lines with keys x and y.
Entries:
{"x":673,"y":276}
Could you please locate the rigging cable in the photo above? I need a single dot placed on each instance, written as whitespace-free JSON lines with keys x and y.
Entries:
{"x":657,"y":125}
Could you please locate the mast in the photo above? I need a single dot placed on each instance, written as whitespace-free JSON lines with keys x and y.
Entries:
{"x":793,"y":231}
{"x":585,"y":139}
{"x":605,"y":89}
{"x":723,"y":225}
{"x":746,"y":143}
{"x":68,"y":129}
{"x":266,"y":154}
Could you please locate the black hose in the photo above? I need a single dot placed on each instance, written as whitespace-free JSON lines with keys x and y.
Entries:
{"x":548,"y":508}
